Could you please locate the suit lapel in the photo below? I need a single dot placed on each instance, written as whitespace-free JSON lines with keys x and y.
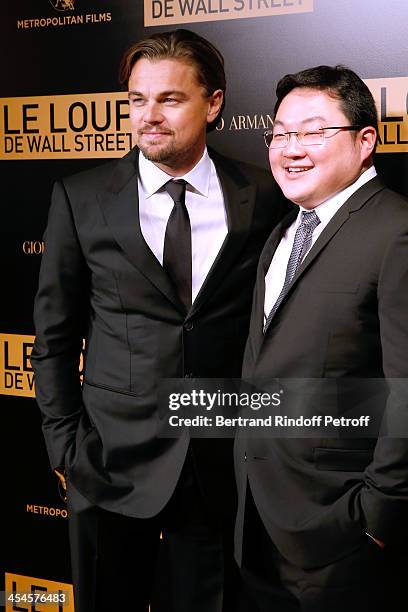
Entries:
{"x":275,"y":238}
{"x":239,"y":199}
{"x":354,"y":203}
{"x":120,"y":207}
{"x":264,"y":262}
{"x":327,"y":234}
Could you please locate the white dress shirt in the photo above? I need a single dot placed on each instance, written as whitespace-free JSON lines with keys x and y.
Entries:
{"x":275,"y":277}
{"x":205,"y":206}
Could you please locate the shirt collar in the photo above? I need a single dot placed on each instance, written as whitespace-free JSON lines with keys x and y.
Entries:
{"x":326,"y":209}
{"x":153,"y":179}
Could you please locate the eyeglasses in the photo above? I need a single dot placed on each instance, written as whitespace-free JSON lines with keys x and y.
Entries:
{"x":275,"y":140}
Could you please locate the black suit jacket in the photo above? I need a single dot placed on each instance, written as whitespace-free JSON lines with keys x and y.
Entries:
{"x":345,"y":318}
{"x":100,"y":281}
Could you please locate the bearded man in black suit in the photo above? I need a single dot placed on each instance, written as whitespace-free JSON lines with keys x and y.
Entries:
{"x":152,"y":260}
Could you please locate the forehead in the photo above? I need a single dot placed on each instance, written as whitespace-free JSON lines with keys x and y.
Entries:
{"x":163,"y":74}
{"x":304,"y":105}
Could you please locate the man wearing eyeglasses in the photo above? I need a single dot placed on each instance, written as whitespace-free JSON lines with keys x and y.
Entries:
{"x":322,"y":515}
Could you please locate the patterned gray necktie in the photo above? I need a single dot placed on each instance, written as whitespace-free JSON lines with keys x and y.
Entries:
{"x":301,"y":245}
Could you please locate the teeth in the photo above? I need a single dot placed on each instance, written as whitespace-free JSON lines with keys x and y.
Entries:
{"x":298,"y":169}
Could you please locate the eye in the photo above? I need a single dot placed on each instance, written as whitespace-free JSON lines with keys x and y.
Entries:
{"x":136,"y":101}
{"x":170,"y":100}
{"x":279,"y":137}
{"x":312,"y":138}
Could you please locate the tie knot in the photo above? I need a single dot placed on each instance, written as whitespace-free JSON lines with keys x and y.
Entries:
{"x":310,"y":220}
{"x":177,"y":190}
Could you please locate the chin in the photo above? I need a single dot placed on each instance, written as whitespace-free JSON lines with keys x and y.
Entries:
{"x":294,"y":196}
{"x":155,"y":154}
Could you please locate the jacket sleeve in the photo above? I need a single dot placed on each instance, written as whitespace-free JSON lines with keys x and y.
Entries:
{"x":385,"y":497}
{"x":61,"y":307}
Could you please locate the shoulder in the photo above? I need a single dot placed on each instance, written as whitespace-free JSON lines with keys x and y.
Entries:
{"x":394,"y":200}
{"x":270,"y":204}
{"x":381,"y":216}
{"x":102,"y":177}
{"x":247,"y":173}
{"x":391,"y":208}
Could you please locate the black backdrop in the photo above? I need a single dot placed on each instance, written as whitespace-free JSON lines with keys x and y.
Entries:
{"x":63,"y":56}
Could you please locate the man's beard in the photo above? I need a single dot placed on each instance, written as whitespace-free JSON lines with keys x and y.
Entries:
{"x":160,"y":154}
{"x":167,"y":154}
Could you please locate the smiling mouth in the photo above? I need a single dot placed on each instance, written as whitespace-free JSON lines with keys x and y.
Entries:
{"x":299,"y":170}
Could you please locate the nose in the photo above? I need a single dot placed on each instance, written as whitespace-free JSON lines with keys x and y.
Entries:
{"x":293,"y":148}
{"x":152,"y":113}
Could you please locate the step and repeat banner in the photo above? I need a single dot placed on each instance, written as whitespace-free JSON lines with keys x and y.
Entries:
{"x":62,"y":111}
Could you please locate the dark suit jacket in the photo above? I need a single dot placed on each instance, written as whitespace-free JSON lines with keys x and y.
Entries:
{"x":100,"y":281}
{"x":345,"y":318}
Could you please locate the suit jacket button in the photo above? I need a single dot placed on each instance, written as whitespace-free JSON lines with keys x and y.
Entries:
{"x":245,"y":456}
{"x":188,"y":326}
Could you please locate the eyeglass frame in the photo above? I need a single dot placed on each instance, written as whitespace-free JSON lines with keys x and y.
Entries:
{"x":349,"y":128}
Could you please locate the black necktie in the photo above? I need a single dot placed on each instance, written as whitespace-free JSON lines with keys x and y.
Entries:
{"x":177,"y":242}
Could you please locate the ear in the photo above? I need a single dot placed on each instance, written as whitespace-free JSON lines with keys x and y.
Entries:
{"x":368,"y":139}
{"x":214,"y":104}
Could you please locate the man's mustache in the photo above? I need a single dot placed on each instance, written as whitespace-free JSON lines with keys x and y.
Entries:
{"x":164,"y":132}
